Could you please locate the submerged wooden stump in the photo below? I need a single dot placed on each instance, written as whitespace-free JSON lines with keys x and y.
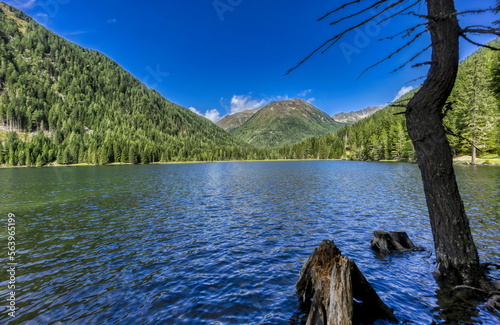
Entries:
{"x":334,"y":291}
{"x":493,"y":303}
{"x":387,"y":242}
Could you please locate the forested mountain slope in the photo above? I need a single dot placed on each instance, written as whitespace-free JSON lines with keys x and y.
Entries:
{"x":71,"y":105}
{"x":285,"y":122}
{"x":473,"y":117}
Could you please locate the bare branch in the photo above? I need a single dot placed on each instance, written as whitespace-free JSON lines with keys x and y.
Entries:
{"x":375,"y":5}
{"x":412,"y":59}
{"x":417,"y":79}
{"x":469,"y":287}
{"x":477,"y":11}
{"x":481,"y":30}
{"x":421,"y":64}
{"x":395,"y":52}
{"x":482,"y":27}
{"x":365,"y":22}
{"x":450,"y":132}
{"x":332,"y":41}
{"x":407,"y":32}
{"x":413,"y":13}
{"x":400,"y":103}
{"x":340,"y":8}
{"x":478,"y":44}
{"x":399,"y":12}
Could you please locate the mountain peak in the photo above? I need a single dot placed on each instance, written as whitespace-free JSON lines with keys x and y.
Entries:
{"x":285,"y":122}
{"x":356,"y":116}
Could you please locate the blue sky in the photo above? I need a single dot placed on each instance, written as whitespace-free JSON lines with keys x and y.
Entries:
{"x":222,"y":56}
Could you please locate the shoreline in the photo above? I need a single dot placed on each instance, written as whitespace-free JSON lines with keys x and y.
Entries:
{"x":461,"y":160}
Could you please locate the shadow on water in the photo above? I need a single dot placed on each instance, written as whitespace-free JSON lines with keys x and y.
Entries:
{"x":462,"y":306}
{"x":449,"y":306}
{"x":454,"y":307}
{"x":224,"y":243}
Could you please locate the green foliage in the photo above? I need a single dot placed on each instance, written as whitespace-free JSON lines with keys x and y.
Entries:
{"x":285,"y":122}
{"x":474,"y":118}
{"x":84,"y":108}
{"x":475,"y":112}
{"x":382,"y":136}
{"x":64,"y":104}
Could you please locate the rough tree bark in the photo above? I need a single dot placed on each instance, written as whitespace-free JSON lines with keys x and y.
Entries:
{"x":456,"y":253}
{"x":333,"y":290}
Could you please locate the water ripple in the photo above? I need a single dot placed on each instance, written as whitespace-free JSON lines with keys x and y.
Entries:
{"x":222,"y":243}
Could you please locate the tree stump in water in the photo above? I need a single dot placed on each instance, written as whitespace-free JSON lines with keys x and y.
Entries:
{"x":387,"y":242}
{"x":334,"y":291}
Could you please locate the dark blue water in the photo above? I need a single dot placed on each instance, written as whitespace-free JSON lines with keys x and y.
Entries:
{"x":222,"y":243}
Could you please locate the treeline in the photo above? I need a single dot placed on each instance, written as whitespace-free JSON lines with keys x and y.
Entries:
{"x":66,"y":104}
{"x":472,"y":120}
{"x":60,"y":103}
{"x":382,"y":136}
{"x":473,"y":117}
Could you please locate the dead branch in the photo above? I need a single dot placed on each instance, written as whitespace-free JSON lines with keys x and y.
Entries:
{"x":459,"y":287}
{"x":478,"y":44}
{"x":395,"y":52}
{"x":407,"y":32}
{"x":479,"y":11}
{"x":416,"y":79}
{"x":413,"y":13}
{"x":412,"y":59}
{"x":399,"y":12}
{"x":421,"y":64}
{"x":447,"y":107}
{"x":492,"y":31}
{"x":447,"y":130}
{"x":337,"y":37}
{"x":375,"y":5}
{"x":339,"y":8}
{"x":487,"y":293}
{"x":365,"y":22}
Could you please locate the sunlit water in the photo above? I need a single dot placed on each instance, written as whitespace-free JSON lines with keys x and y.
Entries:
{"x":221,"y":243}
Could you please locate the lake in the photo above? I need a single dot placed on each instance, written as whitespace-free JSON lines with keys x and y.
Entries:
{"x":222,"y":243}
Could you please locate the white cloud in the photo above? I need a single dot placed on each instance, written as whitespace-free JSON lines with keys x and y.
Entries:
{"x":310,"y":100}
{"x":240,"y":103}
{"x":304,"y":93}
{"x":24,"y":4}
{"x":78,"y":32}
{"x":213,"y":114}
{"x":403,"y":91}
{"x":112,"y":21}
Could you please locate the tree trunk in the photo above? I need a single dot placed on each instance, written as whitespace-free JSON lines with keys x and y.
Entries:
{"x":473,"y":159}
{"x":456,"y":253}
{"x":333,"y":290}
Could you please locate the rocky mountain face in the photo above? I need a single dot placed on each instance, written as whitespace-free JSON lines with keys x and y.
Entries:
{"x":237,"y":119}
{"x":356,"y":116}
